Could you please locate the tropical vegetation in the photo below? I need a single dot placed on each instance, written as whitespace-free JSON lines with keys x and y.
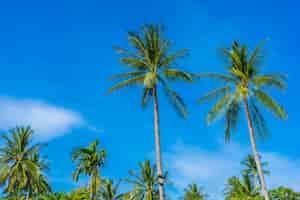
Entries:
{"x":152,"y":66}
{"x":244,"y":87}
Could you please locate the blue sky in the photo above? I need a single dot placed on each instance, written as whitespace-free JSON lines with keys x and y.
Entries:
{"x":56,"y":57}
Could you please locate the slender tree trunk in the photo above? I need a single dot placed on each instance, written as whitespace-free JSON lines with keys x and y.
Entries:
{"x":93,"y":183}
{"x":161,"y":180}
{"x":255,"y":153}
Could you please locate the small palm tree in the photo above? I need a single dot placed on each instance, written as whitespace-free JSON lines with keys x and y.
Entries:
{"x":109,"y":191}
{"x":19,"y":166}
{"x":244,"y":84}
{"x":193,"y":192}
{"x":244,"y":189}
{"x":150,"y":65}
{"x":145,"y":183}
{"x":89,"y":161}
{"x":251,"y":168}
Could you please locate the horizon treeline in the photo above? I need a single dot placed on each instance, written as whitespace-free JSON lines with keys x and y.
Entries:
{"x":241,"y":91}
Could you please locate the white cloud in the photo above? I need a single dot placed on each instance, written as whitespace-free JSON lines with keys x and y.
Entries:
{"x":48,"y":121}
{"x":210,"y":170}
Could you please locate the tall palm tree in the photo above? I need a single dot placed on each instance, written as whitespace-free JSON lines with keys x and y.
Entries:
{"x":193,"y":192}
{"x":245,"y":84}
{"x":109,"y":191}
{"x":145,"y":183}
{"x":150,"y":64}
{"x":89,"y":161}
{"x":19,"y":168}
{"x":244,"y":189}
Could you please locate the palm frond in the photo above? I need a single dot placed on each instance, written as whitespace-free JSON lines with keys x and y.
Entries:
{"x":176,"y":74}
{"x":259,"y":122}
{"x":217,"y":76}
{"x":218,"y":108}
{"x":127,"y":75}
{"x":121,"y":50}
{"x":256,"y":56}
{"x":271,"y":104}
{"x":213,"y":94}
{"x":137,"y":42}
{"x":231,"y":118}
{"x":170,"y":59}
{"x":126,"y":83}
{"x":134,"y":62}
{"x":269,"y":80}
{"x":146,"y":93}
{"x":175,"y":99}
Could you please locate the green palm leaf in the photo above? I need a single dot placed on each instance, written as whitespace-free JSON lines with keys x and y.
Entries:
{"x":126,"y":83}
{"x":271,"y":104}
{"x":218,"y":108}
{"x":269,"y":80}
{"x":214,"y":94}
{"x":217,"y":76}
{"x":168,"y":60}
{"x":175,"y":74}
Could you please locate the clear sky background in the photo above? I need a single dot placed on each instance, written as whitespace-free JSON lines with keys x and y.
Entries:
{"x":56,"y":57}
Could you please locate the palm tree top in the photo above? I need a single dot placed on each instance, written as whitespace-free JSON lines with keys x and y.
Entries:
{"x":89,"y":159}
{"x":242,"y":189}
{"x":21,"y":163}
{"x":193,"y":192}
{"x":250,"y":166}
{"x":151,"y":63}
{"x":244,"y":81}
{"x":145,"y":182}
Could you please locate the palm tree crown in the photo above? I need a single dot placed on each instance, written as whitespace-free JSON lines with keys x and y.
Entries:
{"x":244,"y":81}
{"x":89,"y":160}
{"x":150,"y":64}
{"x":109,"y":191}
{"x":21,"y":165}
{"x":245,"y":189}
{"x":145,"y":183}
{"x":250,"y":167}
{"x":193,"y":192}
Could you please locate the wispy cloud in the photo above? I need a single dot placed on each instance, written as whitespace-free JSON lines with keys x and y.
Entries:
{"x":211,"y":169}
{"x":47,"y":120}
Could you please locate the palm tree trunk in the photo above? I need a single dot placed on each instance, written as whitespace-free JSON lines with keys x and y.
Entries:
{"x":92,"y":194}
{"x":157,"y":145}
{"x":255,"y":153}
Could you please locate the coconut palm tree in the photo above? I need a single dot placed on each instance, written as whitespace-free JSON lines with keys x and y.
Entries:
{"x":89,"y":161}
{"x":245,"y":84}
{"x":109,"y":191}
{"x":19,"y":168}
{"x":150,"y":63}
{"x":251,"y":168}
{"x":193,"y":192}
{"x":145,"y":183}
{"x":244,"y":189}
